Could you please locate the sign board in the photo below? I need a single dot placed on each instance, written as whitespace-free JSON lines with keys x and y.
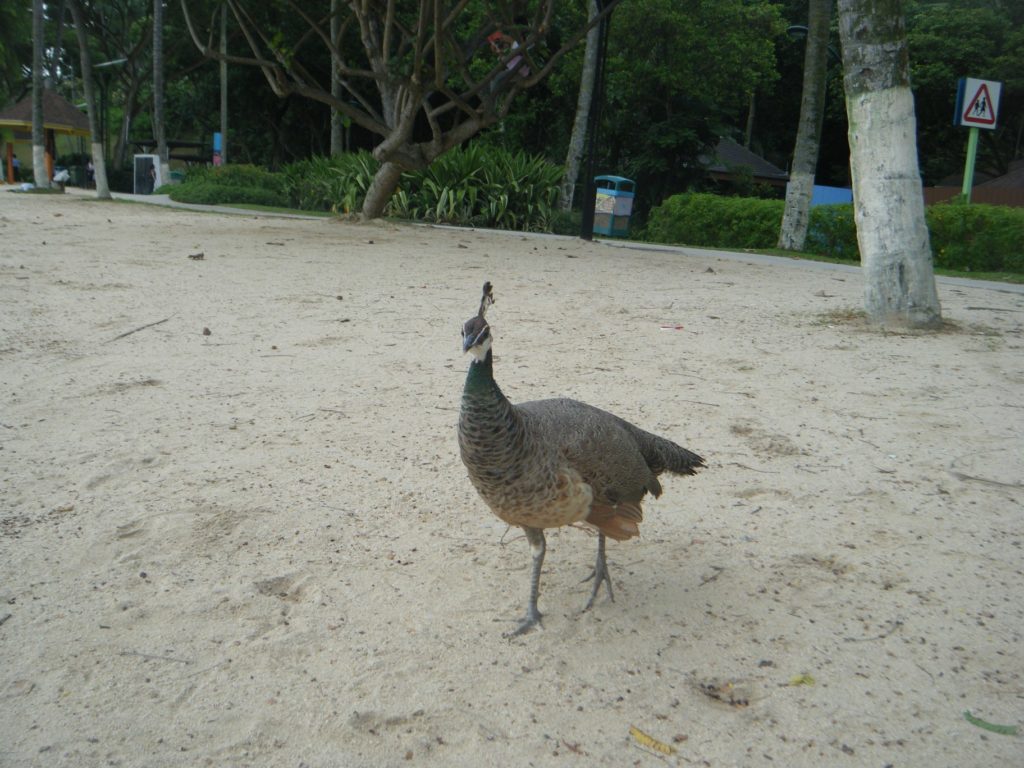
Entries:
{"x":977,"y":103}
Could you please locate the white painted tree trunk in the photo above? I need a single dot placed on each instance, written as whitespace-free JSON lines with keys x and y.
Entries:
{"x":888,"y":202}
{"x":99,"y":162}
{"x":796,"y":216}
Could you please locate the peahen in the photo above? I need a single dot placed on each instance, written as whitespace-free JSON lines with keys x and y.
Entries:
{"x":549,"y":463}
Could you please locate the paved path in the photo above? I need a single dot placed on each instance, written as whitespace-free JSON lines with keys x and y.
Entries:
{"x":745,"y":256}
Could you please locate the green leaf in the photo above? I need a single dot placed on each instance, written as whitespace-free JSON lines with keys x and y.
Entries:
{"x":1005,"y":730}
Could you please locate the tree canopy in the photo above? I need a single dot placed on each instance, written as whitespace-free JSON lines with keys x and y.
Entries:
{"x":680,"y":74}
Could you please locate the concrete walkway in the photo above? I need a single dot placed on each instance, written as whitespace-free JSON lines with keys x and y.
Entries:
{"x":743,"y":256}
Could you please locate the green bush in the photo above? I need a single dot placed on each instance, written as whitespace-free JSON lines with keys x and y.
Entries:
{"x":482,"y":186}
{"x":832,"y":231}
{"x":205,"y":193}
{"x":970,"y":238}
{"x":719,"y":222}
{"x":336,"y":183}
{"x":977,"y":238}
{"x":230,"y":184}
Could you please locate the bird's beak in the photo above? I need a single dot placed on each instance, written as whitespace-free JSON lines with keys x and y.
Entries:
{"x":467,"y":342}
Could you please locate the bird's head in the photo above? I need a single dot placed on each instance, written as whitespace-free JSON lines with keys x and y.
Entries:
{"x":476,"y":333}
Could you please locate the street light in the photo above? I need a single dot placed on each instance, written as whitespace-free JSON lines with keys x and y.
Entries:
{"x":103,"y":101}
{"x":590,"y":188}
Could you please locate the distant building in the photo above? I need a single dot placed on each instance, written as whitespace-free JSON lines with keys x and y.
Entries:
{"x":66,"y":127}
{"x":733,"y":162}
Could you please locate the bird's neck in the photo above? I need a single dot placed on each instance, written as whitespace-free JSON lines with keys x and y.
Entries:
{"x":491,"y":430}
{"x":480,"y":379}
{"x":482,"y":398}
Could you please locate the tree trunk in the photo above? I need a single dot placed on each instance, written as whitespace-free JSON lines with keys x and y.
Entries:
{"x":38,"y":134}
{"x":383,"y":186}
{"x":158,"y":89}
{"x":99,"y":162}
{"x":793,"y":233}
{"x":337,"y":122}
{"x":578,"y":139}
{"x":888,"y":200}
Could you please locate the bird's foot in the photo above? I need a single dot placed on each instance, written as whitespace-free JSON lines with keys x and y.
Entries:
{"x":531,"y":621}
{"x":600,"y":576}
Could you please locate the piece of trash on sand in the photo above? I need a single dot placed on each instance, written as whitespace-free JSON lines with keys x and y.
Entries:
{"x":650,"y":742}
{"x":804,"y":678}
{"x":671,"y":327}
{"x":1006,"y":730}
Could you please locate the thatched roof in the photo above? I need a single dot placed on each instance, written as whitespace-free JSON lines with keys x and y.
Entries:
{"x":59,"y":115}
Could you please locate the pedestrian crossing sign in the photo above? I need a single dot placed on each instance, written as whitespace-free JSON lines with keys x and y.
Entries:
{"x":977,"y":103}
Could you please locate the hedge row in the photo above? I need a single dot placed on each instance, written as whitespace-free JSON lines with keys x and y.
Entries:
{"x":970,"y":238}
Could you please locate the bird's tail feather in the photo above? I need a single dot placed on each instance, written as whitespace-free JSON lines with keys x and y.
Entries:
{"x":663,"y":455}
{"x":619,"y":522}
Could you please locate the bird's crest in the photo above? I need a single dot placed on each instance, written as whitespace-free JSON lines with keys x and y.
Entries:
{"x":487,"y":299}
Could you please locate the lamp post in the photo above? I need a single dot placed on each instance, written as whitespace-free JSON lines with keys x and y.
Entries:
{"x":593,"y":121}
{"x":104,"y":106}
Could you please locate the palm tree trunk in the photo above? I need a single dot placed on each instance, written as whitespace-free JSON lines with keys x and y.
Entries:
{"x":888,"y":201}
{"x":99,"y":162}
{"x":793,"y":233}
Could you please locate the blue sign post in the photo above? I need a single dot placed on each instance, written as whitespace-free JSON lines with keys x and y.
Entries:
{"x":977,"y":106}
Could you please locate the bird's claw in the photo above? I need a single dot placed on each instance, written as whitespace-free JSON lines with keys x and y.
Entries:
{"x":531,"y":621}
{"x":600,"y":576}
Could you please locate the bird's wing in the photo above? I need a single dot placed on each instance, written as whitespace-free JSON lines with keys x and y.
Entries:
{"x":598,"y":445}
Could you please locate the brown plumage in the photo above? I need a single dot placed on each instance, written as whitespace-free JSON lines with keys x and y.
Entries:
{"x":548,"y":463}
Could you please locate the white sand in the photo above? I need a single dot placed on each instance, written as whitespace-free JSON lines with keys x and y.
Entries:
{"x":260,"y":548}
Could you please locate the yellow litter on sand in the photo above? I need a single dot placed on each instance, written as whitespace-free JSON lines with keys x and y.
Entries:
{"x":650,"y":742}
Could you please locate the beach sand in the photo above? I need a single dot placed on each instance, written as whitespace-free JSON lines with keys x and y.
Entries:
{"x":235,"y":529}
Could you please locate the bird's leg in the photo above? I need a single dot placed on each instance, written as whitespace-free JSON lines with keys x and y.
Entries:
{"x":600,"y":574}
{"x":537,"y":546}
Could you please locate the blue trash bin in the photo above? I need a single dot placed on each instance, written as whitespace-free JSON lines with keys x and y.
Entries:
{"x":614,"y":205}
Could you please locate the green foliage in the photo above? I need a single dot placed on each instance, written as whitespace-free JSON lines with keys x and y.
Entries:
{"x":471,"y":186}
{"x":15,"y":48}
{"x":224,"y":185}
{"x":721,"y":222}
{"x":977,"y":238}
{"x":967,"y":238}
{"x":337,"y":183}
{"x":680,"y":74}
{"x":482,"y":186}
{"x":948,"y":41}
{"x":205,"y":193}
{"x":832,"y":231}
